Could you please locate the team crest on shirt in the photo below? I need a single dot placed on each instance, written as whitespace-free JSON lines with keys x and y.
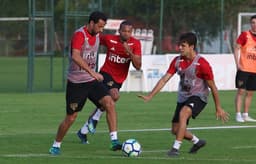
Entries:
{"x":112,"y":49}
{"x":110,"y":83}
{"x":73,"y":106}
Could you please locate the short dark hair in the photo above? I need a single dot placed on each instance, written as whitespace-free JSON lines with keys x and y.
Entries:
{"x":189,"y":38}
{"x":125,"y":23}
{"x":253,"y":17}
{"x":96,"y":16}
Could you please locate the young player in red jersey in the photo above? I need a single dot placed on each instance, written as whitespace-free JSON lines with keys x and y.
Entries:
{"x":195,"y":78}
{"x":122,"y":50}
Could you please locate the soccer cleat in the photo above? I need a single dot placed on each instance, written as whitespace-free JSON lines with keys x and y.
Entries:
{"x":92,"y":125}
{"x":197,"y":146}
{"x":83,"y":137}
{"x":248,"y":119}
{"x":54,"y":150}
{"x":115,"y":145}
{"x":173,"y":152}
{"x":239,"y":118}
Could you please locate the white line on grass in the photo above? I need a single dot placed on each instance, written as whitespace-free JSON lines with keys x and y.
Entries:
{"x":195,"y":128}
{"x":145,"y":130}
{"x":25,"y":155}
{"x":122,"y":157}
{"x":244,"y":147}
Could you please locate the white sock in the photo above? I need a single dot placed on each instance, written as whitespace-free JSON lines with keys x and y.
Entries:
{"x":195,"y":139}
{"x":177,"y":144}
{"x":245,"y":114}
{"x":113,"y":135}
{"x":97,"y":114}
{"x":56,"y":144}
{"x":84,"y":129}
{"x":238,"y":114}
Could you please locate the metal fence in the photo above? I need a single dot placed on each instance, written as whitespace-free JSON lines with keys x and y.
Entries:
{"x":35,"y":41}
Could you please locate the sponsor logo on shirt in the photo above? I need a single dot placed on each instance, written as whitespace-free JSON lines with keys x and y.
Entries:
{"x":117,"y":59}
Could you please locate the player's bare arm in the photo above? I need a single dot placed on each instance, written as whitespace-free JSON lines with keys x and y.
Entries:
{"x":136,"y":59}
{"x":220,"y":113}
{"x":236,"y":55}
{"x":160,"y":84}
{"x":76,"y":57}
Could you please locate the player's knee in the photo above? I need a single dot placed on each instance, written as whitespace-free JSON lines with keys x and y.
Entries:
{"x":108,"y":103}
{"x":115,"y":97}
{"x":71,"y":118}
{"x":114,"y":94}
{"x":249,"y":93}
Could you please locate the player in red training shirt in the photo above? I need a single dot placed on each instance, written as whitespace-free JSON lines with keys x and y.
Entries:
{"x":122,"y":50}
{"x":83,"y":82}
{"x":195,"y":78}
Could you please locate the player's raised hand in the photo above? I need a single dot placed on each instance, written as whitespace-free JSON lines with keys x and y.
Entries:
{"x":127,"y":48}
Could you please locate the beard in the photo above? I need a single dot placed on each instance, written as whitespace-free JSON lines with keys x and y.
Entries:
{"x":93,"y":33}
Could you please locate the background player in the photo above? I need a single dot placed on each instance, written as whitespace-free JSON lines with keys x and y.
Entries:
{"x":245,"y":53}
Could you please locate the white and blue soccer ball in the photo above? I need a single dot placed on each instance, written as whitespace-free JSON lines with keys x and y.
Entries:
{"x":131,"y":148}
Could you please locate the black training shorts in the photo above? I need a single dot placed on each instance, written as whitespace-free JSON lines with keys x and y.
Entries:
{"x":246,"y":80}
{"x":77,"y":94}
{"x":196,"y":105}
{"x":109,"y":82}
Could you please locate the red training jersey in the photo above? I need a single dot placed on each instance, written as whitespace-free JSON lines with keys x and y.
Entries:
{"x":203,"y":68}
{"x":117,"y":61}
{"x":247,"y":58}
{"x":77,"y":40}
{"x":242,"y":39}
{"x":88,"y":46}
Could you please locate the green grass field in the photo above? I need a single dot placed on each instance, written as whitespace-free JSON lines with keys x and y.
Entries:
{"x":28,"y":124}
{"x":14,"y":74}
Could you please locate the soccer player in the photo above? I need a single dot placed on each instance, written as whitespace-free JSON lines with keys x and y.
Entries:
{"x":245,"y":58}
{"x":195,"y":78}
{"x":84,"y":82}
{"x":122,"y":50}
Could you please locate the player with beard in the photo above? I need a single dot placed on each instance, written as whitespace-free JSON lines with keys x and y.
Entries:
{"x":83,"y":82}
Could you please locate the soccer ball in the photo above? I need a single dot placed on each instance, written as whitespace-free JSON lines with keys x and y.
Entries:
{"x":131,"y":148}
